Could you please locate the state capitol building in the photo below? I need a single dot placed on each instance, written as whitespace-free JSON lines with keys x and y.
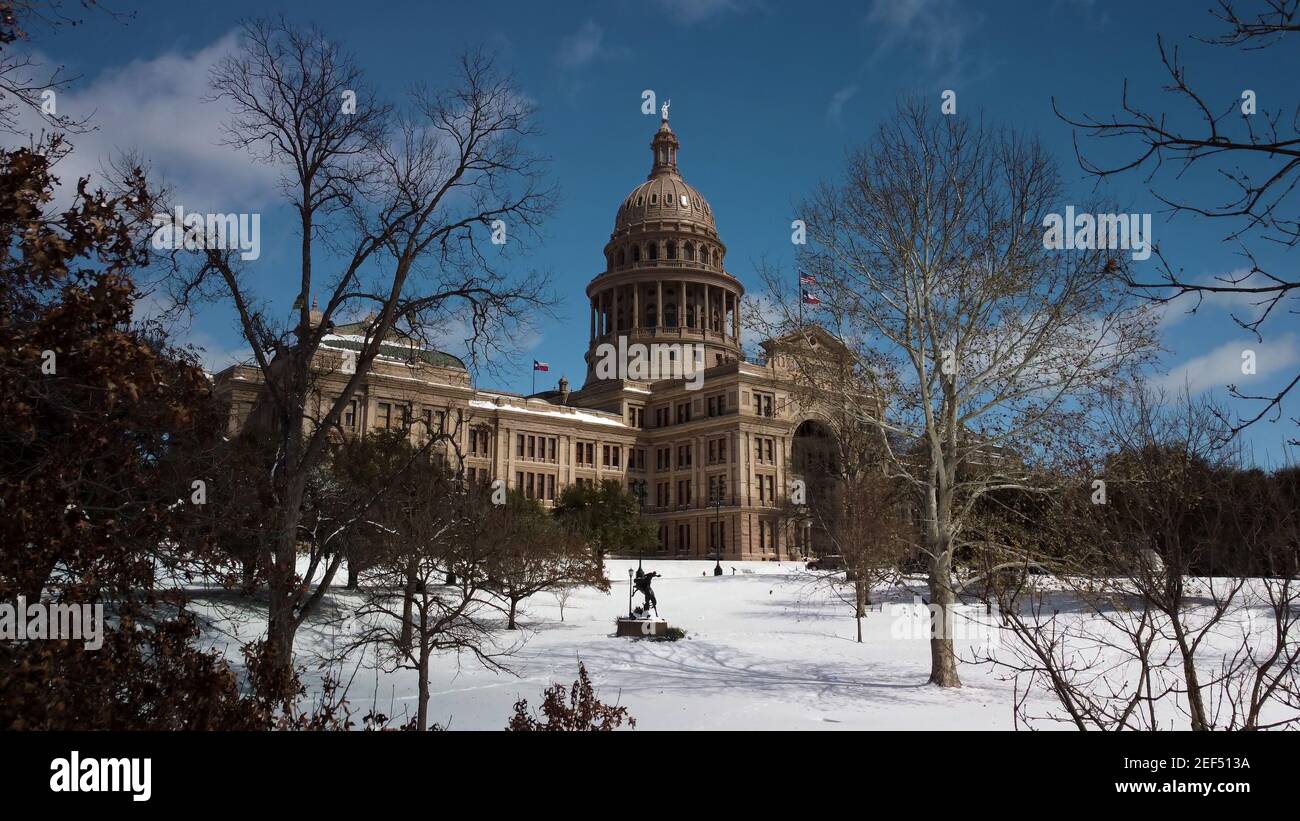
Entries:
{"x":712,"y":459}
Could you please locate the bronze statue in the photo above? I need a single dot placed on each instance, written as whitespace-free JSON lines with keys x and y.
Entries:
{"x":643,"y":587}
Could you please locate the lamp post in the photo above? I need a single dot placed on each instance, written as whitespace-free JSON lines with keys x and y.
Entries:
{"x":717,"y":530}
{"x":639,"y":490}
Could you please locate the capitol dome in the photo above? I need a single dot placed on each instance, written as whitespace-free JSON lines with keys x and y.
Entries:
{"x":664,"y":277}
{"x":665,"y":195}
{"x":664,"y":218}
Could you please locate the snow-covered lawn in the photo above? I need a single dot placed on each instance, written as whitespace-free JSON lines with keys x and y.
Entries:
{"x":765,"y":649}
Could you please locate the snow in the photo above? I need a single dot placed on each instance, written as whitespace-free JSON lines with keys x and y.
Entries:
{"x":577,"y":415}
{"x":765,"y":649}
{"x":770,"y":647}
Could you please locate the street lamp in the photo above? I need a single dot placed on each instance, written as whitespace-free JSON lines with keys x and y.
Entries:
{"x":639,"y":490}
{"x":716,"y":492}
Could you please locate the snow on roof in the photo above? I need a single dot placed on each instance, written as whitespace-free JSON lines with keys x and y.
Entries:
{"x":592,"y":417}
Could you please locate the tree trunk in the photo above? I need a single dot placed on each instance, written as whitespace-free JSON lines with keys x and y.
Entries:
{"x":352,"y":575}
{"x":860,"y":610}
{"x":423,"y":720}
{"x":943,"y":659}
{"x":408,"y":602}
{"x":510,"y":621}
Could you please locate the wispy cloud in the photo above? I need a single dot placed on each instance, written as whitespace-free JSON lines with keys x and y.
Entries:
{"x":693,"y":11}
{"x":937,"y":30}
{"x":1223,"y":365}
{"x":835,"y":111}
{"x":582,"y":47}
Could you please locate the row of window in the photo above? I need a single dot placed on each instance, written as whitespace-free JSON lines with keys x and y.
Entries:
{"x":536,"y":448}
{"x":391,"y":416}
{"x":715,"y":405}
{"x":536,"y":485}
{"x":688,"y":251}
{"x":766,"y":537}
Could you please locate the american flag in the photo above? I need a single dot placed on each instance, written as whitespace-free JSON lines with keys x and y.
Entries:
{"x":540,"y":366}
{"x":807,"y":279}
{"x":810,"y":298}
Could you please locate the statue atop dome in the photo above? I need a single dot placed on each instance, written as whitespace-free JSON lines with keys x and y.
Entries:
{"x":664,"y":110}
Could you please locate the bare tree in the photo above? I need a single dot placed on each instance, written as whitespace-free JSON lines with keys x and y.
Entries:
{"x":1249,"y":161}
{"x":1180,"y":606}
{"x":533,"y":553}
{"x":987,"y":347}
{"x":26,"y":86}
{"x":394,"y":214}
{"x":408,"y":615}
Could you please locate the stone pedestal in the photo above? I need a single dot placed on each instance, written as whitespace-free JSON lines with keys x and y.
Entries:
{"x":641,"y":627}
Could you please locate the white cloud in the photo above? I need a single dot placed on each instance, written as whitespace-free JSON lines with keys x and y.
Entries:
{"x":1223,"y":365}
{"x":693,"y":11}
{"x":835,"y":111}
{"x":583,"y":46}
{"x":156,"y":107}
{"x":935,"y":29}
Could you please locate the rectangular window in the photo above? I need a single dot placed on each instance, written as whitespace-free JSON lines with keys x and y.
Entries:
{"x":519,"y":446}
{"x":550,"y":487}
{"x":350,"y":415}
{"x":383,"y":416}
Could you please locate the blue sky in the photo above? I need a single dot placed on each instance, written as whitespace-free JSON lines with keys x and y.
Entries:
{"x":766,"y":98}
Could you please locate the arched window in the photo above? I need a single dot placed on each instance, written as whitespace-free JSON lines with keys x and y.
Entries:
{"x":672,"y":250}
{"x":622,"y":256}
{"x":650,"y":315}
{"x":636,"y":253}
{"x":688,"y":252}
{"x":704,"y":254}
{"x":653,"y":251}
{"x":670,"y":316}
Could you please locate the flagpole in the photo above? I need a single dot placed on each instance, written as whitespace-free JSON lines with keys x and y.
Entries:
{"x":534,"y":390}
{"x":799,"y":289}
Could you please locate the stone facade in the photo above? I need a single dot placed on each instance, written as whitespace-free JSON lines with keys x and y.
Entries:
{"x":712,"y":456}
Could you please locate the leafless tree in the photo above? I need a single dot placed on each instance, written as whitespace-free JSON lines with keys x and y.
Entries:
{"x":395,"y":211}
{"x":988,"y":348}
{"x":1251,"y":161}
{"x":533,"y":553}
{"x":408,"y":613}
{"x":1180,"y":607}
{"x":25,"y":85}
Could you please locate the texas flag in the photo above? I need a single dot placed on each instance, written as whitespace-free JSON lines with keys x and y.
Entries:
{"x":807,"y":279}
{"x":810,"y":298}
{"x":540,"y":366}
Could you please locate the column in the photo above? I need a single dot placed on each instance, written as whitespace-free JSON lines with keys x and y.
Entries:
{"x":614,"y":307}
{"x":708,"y":318}
{"x":659,"y":305}
{"x":681,"y":304}
{"x":735,"y":317}
{"x":636,"y":306}
{"x":591,"y":314}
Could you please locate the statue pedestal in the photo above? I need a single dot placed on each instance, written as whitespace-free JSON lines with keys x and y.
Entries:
{"x":641,"y":627}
